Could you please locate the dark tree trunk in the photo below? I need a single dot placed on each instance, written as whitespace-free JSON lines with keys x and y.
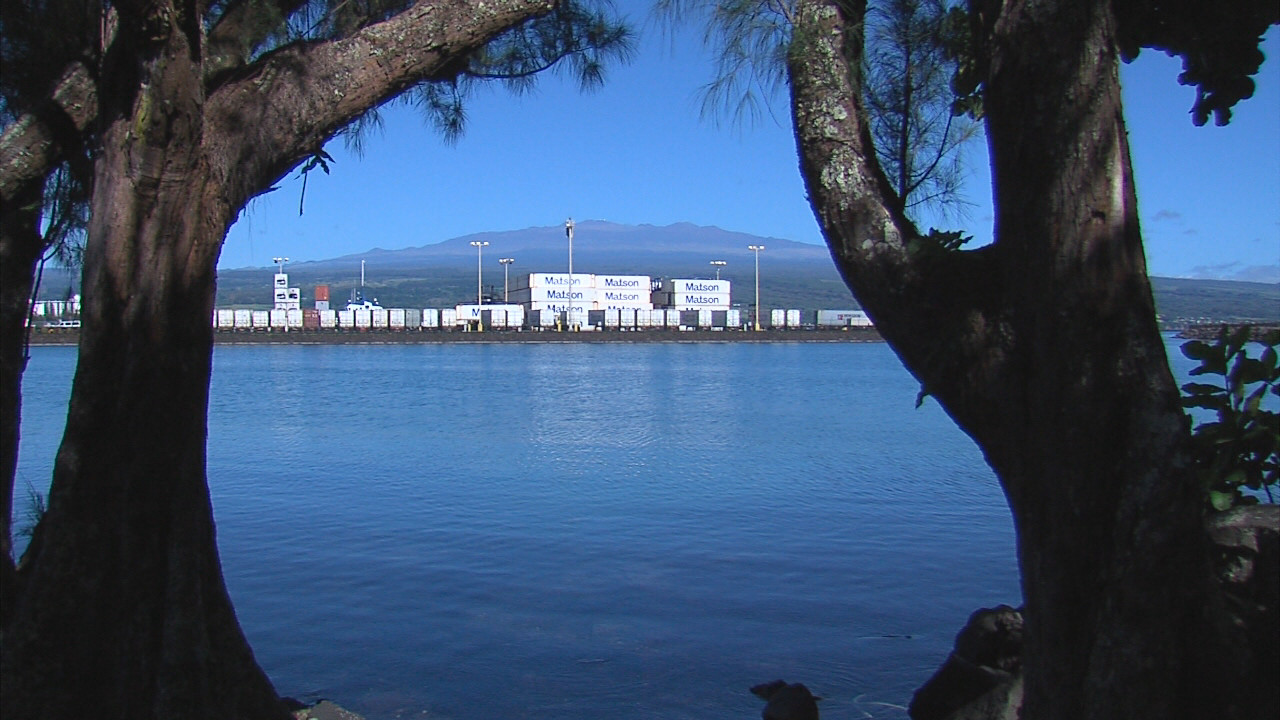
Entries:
{"x":20,"y":249}
{"x":125,"y":613}
{"x":1044,"y":348}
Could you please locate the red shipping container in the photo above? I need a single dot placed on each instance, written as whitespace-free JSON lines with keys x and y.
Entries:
{"x":322,"y":293}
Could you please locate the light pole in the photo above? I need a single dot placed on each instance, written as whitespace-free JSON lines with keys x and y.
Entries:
{"x":568,"y":230}
{"x":479,"y":246}
{"x":718,"y":264}
{"x":756,"y":249}
{"x":506,"y":271}
{"x":280,"y":261}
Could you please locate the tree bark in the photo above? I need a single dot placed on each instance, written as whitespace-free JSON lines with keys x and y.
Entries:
{"x":125,"y":612}
{"x":20,"y":249}
{"x":1043,"y":347}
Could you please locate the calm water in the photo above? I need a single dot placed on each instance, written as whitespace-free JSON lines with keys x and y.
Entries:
{"x":586,"y":531}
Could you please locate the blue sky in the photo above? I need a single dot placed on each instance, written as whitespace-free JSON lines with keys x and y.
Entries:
{"x":637,"y":151}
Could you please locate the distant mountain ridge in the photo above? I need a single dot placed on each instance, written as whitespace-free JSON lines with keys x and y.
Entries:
{"x":596,"y":244}
{"x":792,"y":274}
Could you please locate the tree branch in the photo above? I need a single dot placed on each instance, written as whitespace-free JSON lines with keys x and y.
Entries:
{"x":34,"y":143}
{"x":939,"y":309}
{"x":294,"y":100}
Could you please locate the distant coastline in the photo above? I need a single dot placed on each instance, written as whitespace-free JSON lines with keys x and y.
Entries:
{"x":381,"y":337}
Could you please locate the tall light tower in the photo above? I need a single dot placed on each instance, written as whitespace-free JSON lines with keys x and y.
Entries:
{"x":568,"y":231}
{"x":506,"y":270}
{"x":718,"y":264}
{"x":756,"y":249}
{"x":479,"y":246}
{"x":280,"y":261}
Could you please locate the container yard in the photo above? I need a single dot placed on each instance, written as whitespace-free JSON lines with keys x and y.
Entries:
{"x":581,"y":303}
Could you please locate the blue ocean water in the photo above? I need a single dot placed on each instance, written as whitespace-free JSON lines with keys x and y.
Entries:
{"x":588,"y":530}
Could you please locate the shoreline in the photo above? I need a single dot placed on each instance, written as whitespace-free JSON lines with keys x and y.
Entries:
{"x":439,"y":337}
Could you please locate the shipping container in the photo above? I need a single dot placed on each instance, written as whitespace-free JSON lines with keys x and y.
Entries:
{"x":793,"y":318}
{"x":733,"y":318}
{"x":261,"y":319}
{"x":244,"y":319}
{"x":672,"y":318}
{"x":841,"y":318}
{"x":322,"y":293}
{"x":557,"y":280}
{"x":515,"y":316}
{"x":577,"y":318}
{"x":541,"y":319}
{"x":364,"y":319}
{"x":704,"y":318}
{"x":777,"y":318}
{"x":713,"y":287}
{"x":396,"y":319}
{"x":226,"y":318}
{"x":328,"y":319}
{"x":595,"y":318}
{"x":310,"y":319}
{"x":559,"y":307}
{"x":493,"y":319}
{"x":412,"y":318}
{"x":719,"y":318}
{"x":294,"y":318}
{"x":632,"y":283}
{"x":552,"y":294}
{"x":623,"y":298}
{"x":378,"y":318}
{"x":322,"y":304}
{"x":282,"y":280}
{"x":627,"y":317}
{"x":696,"y":301}
{"x":430,"y":318}
{"x":347,"y":319}
{"x":448,"y":318}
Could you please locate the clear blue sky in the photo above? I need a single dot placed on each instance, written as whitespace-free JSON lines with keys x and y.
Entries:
{"x":637,"y":151}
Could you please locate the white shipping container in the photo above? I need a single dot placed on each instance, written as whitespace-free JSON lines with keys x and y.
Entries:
{"x":552,"y":294}
{"x":627,"y":317}
{"x":693,"y":301}
{"x":282,"y":280}
{"x":495,"y":318}
{"x":733,"y":318}
{"x":704,"y":318}
{"x":624,"y":298}
{"x":226,"y":318}
{"x":577,"y":318}
{"x":328,"y":319}
{"x":612,"y":319}
{"x":793,"y":318}
{"x":715,"y":287}
{"x":346,"y":318}
{"x":448,"y":317}
{"x":842,"y":318}
{"x":294,"y":319}
{"x":542,"y":319}
{"x":515,"y":316}
{"x":244,"y":319}
{"x":412,"y":318}
{"x":778,"y":318}
{"x":261,"y":319}
{"x":378,"y":318}
{"x":629,"y":283}
{"x":559,"y":307}
{"x":430,"y":318}
{"x":557,"y":280}
{"x":673,"y":318}
{"x":364,"y":318}
{"x":395,"y":318}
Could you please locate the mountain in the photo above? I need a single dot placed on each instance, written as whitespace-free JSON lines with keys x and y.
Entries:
{"x":792,"y":274}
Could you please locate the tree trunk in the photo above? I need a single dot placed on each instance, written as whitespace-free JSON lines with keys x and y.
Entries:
{"x":1044,"y":349}
{"x":20,"y":249}
{"x":125,"y":612}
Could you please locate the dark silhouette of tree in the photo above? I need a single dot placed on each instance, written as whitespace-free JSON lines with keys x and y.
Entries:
{"x":192,"y":109}
{"x":1043,"y":346}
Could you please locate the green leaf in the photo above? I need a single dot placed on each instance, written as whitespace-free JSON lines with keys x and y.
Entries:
{"x":1221,"y":500}
{"x":1202,"y":389}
